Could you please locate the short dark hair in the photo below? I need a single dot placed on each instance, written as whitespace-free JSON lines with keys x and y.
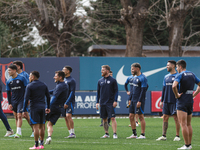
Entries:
{"x":61,"y":74}
{"x":106,"y":66}
{"x":69,"y":68}
{"x":137,"y":65}
{"x":19,"y":63}
{"x":13,"y":67}
{"x":172,"y":62}
{"x":36,"y":74}
{"x":181,"y":63}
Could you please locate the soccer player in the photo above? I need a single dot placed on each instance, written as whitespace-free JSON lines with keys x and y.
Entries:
{"x":168,"y":101}
{"x":137,"y":102}
{"x":107,"y":93}
{"x":129,"y":93}
{"x":184,"y":94}
{"x":69,"y":104}
{"x":15,"y":87}
{"x":35,"y":93}
{"x":20,"y":71}
{"x":60,"y":94}
{"x":3,"y":116}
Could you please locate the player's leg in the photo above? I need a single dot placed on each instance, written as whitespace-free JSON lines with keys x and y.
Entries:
{"x":136,"y":119}
{"x":70,"y":122}
{"x":28,"y":120}
{"x":104,"y":115}
{"x":19,"y":125}
{"x":189,"y":118}
{"x":140,"y":112}
{"x":177,"y":124}
{"x":111,"y":114}
{"x":36,"y":133}
{"x":41,"y":134}
{"x":165,"y":124}
{"x":182,"y":118}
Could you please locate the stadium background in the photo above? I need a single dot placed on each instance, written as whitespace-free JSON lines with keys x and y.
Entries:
{"x":87,"y":71}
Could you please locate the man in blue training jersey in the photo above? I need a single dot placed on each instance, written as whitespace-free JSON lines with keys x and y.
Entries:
{"x":168,"y":101}
{"x":3,"y":116}
{"x":69,"y":104}
{"x":129,"y":93}
{"x":107,"y":94}
{"x":137,"y":102}
{"x":60,"y":94}
{"x":15,"y":87}
{"x":19,"y":65}
{"x":35,"y":93}
{"x":183,"y":86}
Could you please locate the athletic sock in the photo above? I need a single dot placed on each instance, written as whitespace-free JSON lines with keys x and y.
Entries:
{"x":72,"y":131}
{"x":187,"y":145}
{"x":164,"y":135}
{"x":49,"y":137}
{"x":36,"y":143}
{"x":177,"y":136}
{"x":42,"y":142}
{"x":69,"y":131}
{"x":115,"y":133}
{"x":134,"y":132}
{"x":143,"y":134}
{"x":19,"y":131}
{"x":107,"y":133}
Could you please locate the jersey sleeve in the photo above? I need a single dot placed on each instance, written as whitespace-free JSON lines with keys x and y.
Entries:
{"x":115,"y":90}
{"x":143,"y":89}
{"x":98,"y":92}
{"x":72,"y":93}
{"x":178,"y":77}
{"x":197,"y":80}
{"x":7,"y":86}
{"x":126,"y":84}
{"x":26,"y":97}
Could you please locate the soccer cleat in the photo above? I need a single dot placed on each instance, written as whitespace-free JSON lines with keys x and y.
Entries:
{"x":115,"y":136}
{"x":32,"y":135}
{"x":162,"y":138}
{"x":141,"y":137}
{"x":72,"y":135}
{"x":41,"y":147}
{"x":185,"y":147}
{"x":34,"y":147}
{"x":9,"y":133}
{"x":177,"y":139}
{"x":105,"y":136}
{"x":132,"y":137}
{"x":48,"y":140}
{"x":17,"y":135}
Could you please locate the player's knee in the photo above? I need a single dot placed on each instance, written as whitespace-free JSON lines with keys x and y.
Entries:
{"x":19,"y":116}
{"x":131,"y":116}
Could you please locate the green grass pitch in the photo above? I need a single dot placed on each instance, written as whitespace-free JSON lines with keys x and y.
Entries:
{"x":88,"y":135}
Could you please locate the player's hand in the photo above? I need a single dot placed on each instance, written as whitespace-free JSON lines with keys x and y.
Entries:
{"x":179,"y":95}
{"x":129,"y":102}
{"x":138,"y":104}
{"x":10,"y":107}
{"x":161,"y":105}
{"x":66,"y":106}
{"x":24,"y":115}
{"x":97,"y":106}
{"x":128,"y":92}
{"x":114,"y":104}
{"x":47,"y":111}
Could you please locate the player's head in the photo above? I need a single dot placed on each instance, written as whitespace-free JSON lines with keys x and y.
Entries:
{"x":34,"y":75}
{"x":12,"y":69}
{"x":67,"y":70}
{"x":180,"y":65}
{"x":18,"y":63}
{"x":135,"y":68}
{"x":105,"y":70}
{"x":171,"y":65}
{"x":59,"y":76}
{"x":111,"y":73}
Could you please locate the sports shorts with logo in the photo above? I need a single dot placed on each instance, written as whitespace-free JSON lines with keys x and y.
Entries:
{"x":37,"y":116}
{"x":107,"y":111}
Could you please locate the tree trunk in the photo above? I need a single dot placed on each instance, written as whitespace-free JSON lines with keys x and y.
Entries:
{"x":176,"y":32}
{"x":134,"y":19}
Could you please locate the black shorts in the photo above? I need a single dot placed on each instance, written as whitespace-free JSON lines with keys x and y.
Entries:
{"x":107,"y":111}
{"x":188,"y":108}
{"x":169,"y":108}
{"x":70,"y":109}
{"x":53,"y":116}
{"x":134,"y":110}
{"x":18,"y":107}
{"x":37,"y":116}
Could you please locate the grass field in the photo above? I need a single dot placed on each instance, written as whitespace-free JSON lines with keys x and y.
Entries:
{"x":88,"y":135}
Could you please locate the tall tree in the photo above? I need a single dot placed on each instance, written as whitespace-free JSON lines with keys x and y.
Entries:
{"x":133,"y":15}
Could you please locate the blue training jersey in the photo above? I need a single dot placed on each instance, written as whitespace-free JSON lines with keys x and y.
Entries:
{"x":107,"y":90}
{"x":25,"y":74}
{"x":186,"y":80}
{"x":72,"y":87}
{"x":36,"y":92}
{"x":140,"y":87}
{"x":129,"y":81}
{"x":60,"y":94}
{"x":167,"y":92}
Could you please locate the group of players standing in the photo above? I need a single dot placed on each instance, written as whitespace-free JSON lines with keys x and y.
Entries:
{"x":177,"y":100}
{"x":23,"y":89}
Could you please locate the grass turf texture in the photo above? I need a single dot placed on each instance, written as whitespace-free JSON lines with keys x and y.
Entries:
{"x":88,"y":135}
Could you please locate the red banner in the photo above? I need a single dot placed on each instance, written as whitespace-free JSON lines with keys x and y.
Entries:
{"x":4,"y":104}
{"x":156,"y":98}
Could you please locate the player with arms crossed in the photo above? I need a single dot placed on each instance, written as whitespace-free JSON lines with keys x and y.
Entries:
{"x":15,"y":87}
{"x":168,"y":101}
{"x":184,"y":94}
{"x":107,"y":93}
{"x":137,"y":102}
{"x":36,"y":92}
